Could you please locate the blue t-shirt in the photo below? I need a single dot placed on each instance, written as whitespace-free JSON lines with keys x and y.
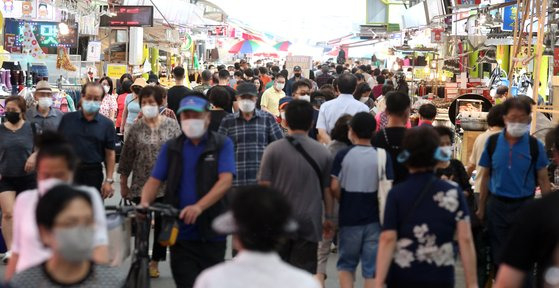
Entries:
{"x":187,"y":186}
{"x":425,"y":251}
{"x":356,"y":168}
{"x":511,"y":175}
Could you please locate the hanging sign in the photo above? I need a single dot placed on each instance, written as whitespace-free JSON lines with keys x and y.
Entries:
{"x":94,"y":51}
{"x":437,"y":35}
{"x":305,"y":62}
{"x":509,"y":17}
{"x":116,"y":70}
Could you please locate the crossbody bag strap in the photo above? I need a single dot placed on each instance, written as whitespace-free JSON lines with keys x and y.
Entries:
{"x":309,"y":159}
{"x":418,"y":200}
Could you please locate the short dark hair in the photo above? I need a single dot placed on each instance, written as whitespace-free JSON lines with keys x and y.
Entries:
{"x":518,"y":104}
{"x":256,"y":72}
{"x":339,"y":69}
{"x":397,"y":103}
{"x":359,"y":76}
{"x":347,"y":83}
{"x":92,"y":84}
{"x":445,"y":131}
{"x":20,"y":102}
{"x":502,"y":90}
{"x":495,"y":116}
{"x":219,"y":97}
{"x":157,"y":92}
{"x":428,"y":111}
{"x":300,"y":83}
{"x":55,"y":201}
{"x":263,"y":70}
{"x":126,"y":86}
{"x":238,"y":74}
{"x":361,"y":88}
{"x":376,"y":72}
{"x":249,"y":73}
{"x":224,"y":74}
{"x":280,"y":76}
{"x":179,"y":72}
{"x":237,"y":66}
{"x":299,"y":115}
{"x":387,"y":88}
{"x":261,"y":215}
{"x":275,"y":69}
{"x":110,"y":81}
{"x":420,"y":143}
{"x":381,"y":79}
{"x":206,"y":75}
{"x":363,"y":125}
{"x":285,"y":73}
{"x":339,"y":132}
{"x":53,"y":145}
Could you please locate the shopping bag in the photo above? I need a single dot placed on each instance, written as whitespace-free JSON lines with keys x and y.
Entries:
{"x":120,"y":233}
{"x":384,"y":184}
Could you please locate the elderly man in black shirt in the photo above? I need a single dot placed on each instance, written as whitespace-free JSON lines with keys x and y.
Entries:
{"x":93,"y":138}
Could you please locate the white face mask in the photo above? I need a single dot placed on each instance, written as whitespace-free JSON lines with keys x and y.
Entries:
{"x":447,"y":150}
{"x":305,"y":98}
{"x":193,"y":128}
{"x":45,"y":102}
{"x":364,"y":99}
{"x":75,"y":244}
{"x":150,"y":111}
{"x":45,"y":185}
{"x":280,"y":86}
{"x":517,"y":130}
{"x":282,"y":115}
{"x":106,"y":88}
{"x":247,"y":105}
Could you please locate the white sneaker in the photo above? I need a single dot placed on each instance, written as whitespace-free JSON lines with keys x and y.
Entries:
{"x":7,"y":257}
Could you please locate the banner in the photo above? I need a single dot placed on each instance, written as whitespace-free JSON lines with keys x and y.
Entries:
{"x":305,"y":62}
{"x":116,"y":70}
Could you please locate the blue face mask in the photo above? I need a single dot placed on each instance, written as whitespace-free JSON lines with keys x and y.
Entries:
{"x":91,"y":106}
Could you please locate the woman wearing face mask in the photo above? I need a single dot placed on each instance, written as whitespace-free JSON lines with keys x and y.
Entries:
{"x":66,"y":223}
{"x":132,"y":105}
{"x":362,"y":93}
{"x":109,"y":106}
{"x":56,"y":163}
{"x":260,"y":87}
{"x":16,"y":147}
{"x":121,"y":101}
{"x":140,"y":151}
{"x":425,"y":218}
{"x":452,"y":170}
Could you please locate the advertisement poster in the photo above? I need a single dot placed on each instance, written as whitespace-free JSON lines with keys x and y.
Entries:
{"x":27,"y":9}
{"x":94,"y":51}
{"x":116,"y":70}
{"x":45,"y":11}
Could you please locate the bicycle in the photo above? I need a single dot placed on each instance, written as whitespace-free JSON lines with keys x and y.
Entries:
{"x":138,"y":275}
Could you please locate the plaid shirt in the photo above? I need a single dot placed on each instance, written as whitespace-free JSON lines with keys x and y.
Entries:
{"x":250,"y":139}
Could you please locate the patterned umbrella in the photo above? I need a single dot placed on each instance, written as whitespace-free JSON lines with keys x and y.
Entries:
{"x":247,"y":47}
{"x":283,"y":46}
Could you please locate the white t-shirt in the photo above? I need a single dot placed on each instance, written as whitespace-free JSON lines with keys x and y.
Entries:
{"x":332,"y":110}
{"x":26,"y":240}
{"x":255,"y":270}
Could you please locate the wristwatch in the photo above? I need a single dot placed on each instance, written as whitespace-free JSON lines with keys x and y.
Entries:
{"x":110,"y":180}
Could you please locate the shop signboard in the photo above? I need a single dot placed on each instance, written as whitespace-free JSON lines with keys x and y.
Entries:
{"x":465,"y":3}
{"x":116,"y":70}
{"x":46,"y":33}
{"x":304,"y":62}
{"x":129,"y":16}
{"x":509,"y":17}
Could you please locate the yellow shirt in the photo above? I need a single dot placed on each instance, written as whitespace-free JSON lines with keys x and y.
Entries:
{"x":270,"y":100}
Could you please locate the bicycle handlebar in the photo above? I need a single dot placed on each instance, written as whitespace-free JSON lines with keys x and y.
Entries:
{"x":163,"y":209}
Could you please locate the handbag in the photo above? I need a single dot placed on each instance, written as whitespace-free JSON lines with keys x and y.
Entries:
{"x":384,"y":184}
{"x":119,"y":232}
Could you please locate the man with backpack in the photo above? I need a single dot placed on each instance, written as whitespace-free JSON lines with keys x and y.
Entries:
{"x":198,"y":169}
{"x":512,"y":165}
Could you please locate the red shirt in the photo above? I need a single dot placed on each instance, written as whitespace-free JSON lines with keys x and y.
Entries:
{"x":120,"y":102}
{"x":377,"y":91}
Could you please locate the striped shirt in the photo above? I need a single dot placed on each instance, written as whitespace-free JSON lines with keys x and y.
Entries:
{"x":250,"y":138}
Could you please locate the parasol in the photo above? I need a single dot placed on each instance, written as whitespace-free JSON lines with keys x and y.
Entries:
{"x":283,"y":46}
{"x":248,"y":47}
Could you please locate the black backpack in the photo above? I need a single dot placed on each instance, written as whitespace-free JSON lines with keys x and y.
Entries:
{"x":534,"y":154}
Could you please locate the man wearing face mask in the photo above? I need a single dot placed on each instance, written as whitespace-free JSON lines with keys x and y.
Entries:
{"x":513,"y":164}
{"x":43,"y":116}
{"x":198,"y":168}
{"x":297,"y":76}
{"x":302,"y":91}
{"x":251,"y":130}
{"x":270,"y":97}
{"x":93,"y":138}
{"x":56,"y":164}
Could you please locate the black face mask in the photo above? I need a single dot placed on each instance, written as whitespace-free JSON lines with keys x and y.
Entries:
{"x":297,"y":75}
{"x":12,"y":117}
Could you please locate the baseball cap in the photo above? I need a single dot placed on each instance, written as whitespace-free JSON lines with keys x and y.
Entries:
{"x":140,"y":81}
{"x":284,"y":101}
{"x":193,"y":103}
{"x":43,"y":87}
{"x":297,"y":68}
{"x":247,"y":89}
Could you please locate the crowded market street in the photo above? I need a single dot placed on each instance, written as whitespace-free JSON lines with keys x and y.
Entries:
{"x":266,"y":144}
